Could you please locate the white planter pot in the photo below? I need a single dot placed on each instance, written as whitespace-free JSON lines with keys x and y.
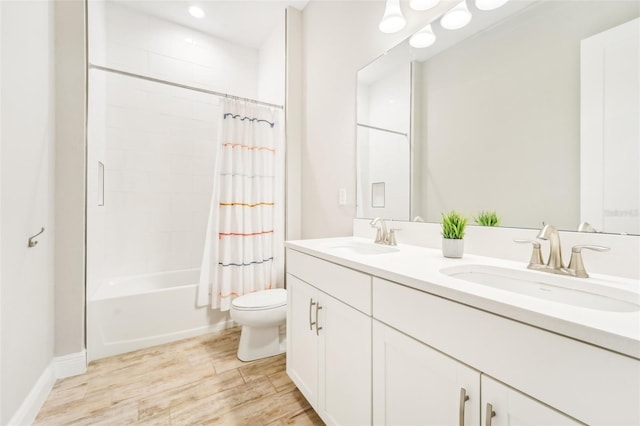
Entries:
{"x":452,"y":248}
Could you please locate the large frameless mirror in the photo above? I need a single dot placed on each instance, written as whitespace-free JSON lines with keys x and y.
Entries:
{"x":531,"y":110}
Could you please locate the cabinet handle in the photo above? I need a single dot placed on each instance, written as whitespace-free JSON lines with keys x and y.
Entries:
{"x":318,"y":307}
{"x":463,"y":398}
{"x":489,"y":415}
{"x":312,"y":323}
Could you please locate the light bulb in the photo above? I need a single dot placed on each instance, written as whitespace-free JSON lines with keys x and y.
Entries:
{"x":392,"y":21}
{"x":423,"y":38}
{"x":490,"y":4}
{"x":457,"y":17}
{"x":423,"y":4}
{"x":196,"y":12}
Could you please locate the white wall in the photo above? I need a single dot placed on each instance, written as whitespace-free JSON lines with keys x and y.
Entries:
{"x":293,"y":123}
{"x":271,"y":66}
{"x":70,"y":176}
{"x":339,"y":38}
{"x":27,"y":198}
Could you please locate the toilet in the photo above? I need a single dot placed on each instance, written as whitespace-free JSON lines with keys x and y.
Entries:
{"x":260,"y":314}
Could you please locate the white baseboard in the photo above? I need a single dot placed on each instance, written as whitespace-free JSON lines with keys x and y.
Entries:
{"x":59,"y":368}
{"x":31,"y":405}
{"x":70,"y":365}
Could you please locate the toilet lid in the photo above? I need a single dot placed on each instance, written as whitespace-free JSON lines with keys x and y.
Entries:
{"x":265,"y":299}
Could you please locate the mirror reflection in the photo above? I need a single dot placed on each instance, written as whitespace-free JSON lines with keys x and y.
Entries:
{"x":532,"y":110}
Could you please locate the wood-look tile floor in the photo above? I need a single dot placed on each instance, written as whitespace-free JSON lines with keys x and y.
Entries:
{"x":193,"y":381}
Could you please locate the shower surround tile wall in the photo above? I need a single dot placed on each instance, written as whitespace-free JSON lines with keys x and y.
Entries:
{"x":157,"y":141}
{"x":128,"y":40}
{"x":159,"y":159}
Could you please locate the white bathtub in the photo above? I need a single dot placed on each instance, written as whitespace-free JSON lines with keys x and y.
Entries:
{"x":129,"y":313}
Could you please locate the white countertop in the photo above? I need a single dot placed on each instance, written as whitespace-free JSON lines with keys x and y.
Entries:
{"x":419,"y":268}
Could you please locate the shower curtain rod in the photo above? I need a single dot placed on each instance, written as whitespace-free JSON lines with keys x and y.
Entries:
{"x":182,"y":86}
{"x":382,"y":130}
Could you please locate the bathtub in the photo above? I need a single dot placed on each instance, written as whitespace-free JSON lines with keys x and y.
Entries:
{"x":129,"y":313}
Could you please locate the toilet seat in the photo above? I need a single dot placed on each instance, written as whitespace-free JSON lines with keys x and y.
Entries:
{"x":261,"y":300}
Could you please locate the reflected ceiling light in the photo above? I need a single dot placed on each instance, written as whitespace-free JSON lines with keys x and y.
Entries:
{"x":490,"y":4}
{"x":457,"y":17}
{"x":196,"y":12}
{"x":392,"y":21}
{"x":423,"y":4}
{"x":423,"y":38}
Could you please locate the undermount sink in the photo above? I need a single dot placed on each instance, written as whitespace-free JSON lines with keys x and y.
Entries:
{"x":587,"y":293}
{"x":363,"y":248}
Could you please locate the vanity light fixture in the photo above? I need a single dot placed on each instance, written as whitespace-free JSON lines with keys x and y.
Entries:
{"x":392,"y":21}
{"x":423,"y":4}
{"x":196,"y":12}
{"x":423,"y":38}
{"x":490,"y":4}
{"x":457,"y":17}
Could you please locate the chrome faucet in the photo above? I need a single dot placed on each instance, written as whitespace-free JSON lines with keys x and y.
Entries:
{"x":554,"y":264}
{"x":383,"y":235}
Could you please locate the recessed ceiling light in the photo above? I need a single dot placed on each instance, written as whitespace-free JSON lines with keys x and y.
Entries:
{"x":196,"y":12}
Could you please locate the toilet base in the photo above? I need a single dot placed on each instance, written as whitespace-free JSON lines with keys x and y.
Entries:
{"x":259,"y":342}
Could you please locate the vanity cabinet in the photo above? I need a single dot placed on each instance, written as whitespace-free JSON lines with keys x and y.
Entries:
{"x":541,"y":369}
{"x":365,"y":350}
{"x":503,"y":406}
{"x":415,"y":384}
{"x":329,"y":341}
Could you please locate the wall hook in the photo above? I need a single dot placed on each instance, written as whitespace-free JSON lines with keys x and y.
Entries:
{"x":33,"y":243}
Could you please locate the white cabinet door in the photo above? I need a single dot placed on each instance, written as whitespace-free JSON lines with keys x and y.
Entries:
{"x":329,"y":354}
{"x":345,"y":364}
{"x":302,"y":341}
{"x":414,"y":384}
{"x":506,"y":406}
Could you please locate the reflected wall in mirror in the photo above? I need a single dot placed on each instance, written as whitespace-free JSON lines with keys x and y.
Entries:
{"x":384,"y":111}
{"x":495,"y":119}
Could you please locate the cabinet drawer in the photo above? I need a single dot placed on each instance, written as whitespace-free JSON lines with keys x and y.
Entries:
{"x":347,"y":285}
{"x":591,"y":384}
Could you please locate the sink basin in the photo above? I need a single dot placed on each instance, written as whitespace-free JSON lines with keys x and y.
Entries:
{"x":584,"y":292}
{"x":362,"y":248}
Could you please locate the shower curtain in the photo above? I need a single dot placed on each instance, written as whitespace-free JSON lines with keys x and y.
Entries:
{"x":244,"y":245}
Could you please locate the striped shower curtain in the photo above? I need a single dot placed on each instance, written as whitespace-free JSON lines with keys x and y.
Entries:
{"x":244,"y":249}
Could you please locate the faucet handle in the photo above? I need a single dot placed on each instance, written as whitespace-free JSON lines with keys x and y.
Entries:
{"x":536,"y":254}
{"x":576,"y":264}
{"x":391,"y":238}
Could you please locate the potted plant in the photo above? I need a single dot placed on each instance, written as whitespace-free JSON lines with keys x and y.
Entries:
{"x":488,"y":218}
{"x":453,"y":226}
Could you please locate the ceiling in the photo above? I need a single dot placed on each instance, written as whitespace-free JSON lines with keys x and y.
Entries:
{"x":245,"y":22}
